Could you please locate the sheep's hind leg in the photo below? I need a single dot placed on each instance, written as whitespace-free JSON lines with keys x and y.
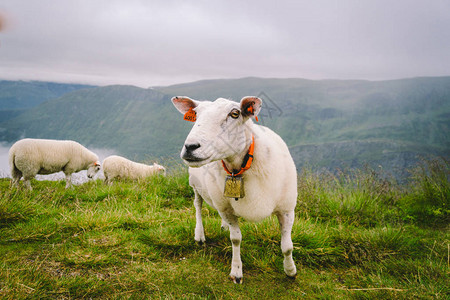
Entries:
{"x":199,"y":230}
{"x":16,"y":175}
{"x":27,"y":183}
{"x":286,"y":220}
{"x":15,"y":181}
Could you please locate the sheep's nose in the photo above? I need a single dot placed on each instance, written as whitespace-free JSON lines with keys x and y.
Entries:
{"x":191,"y":147}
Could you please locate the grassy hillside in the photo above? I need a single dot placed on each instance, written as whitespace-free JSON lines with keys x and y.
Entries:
{"x":18,"y":96}
{"x":327,"y":124}
{"x":136,"y":122}
{"x":356,"y":236}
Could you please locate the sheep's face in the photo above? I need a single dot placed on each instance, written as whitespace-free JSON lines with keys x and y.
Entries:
{"x":159,"y":169}
{"x":220,"y":130}
{"x":93,"y":169}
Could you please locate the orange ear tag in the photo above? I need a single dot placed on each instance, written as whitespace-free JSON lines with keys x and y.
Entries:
{"x":190,"y":115}
{"x":251,"y":110}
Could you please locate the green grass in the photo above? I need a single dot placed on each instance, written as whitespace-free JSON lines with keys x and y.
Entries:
{"x":357,"y":235}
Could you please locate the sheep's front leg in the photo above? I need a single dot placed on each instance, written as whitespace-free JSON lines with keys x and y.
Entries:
{"x":108,"y":180}
{"x":224,"y":225}
{"x":286,"y":220}
{"x":68,"y":180}
{"x":236,"y":238}
{"x":199,"y":231}
{"x":27,"y":177}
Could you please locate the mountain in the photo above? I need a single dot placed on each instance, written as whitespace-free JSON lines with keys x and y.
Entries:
{"x":136,"y":122}
{"x":347,"y":123}
{"x":327,"y":124}
{"x":18,"y":96}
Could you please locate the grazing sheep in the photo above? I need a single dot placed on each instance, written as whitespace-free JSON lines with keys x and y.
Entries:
{"x":115,"y":166}
{"x":223,"y":141}
{"x":29,"y":157}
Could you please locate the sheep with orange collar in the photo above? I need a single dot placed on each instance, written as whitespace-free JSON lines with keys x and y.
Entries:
{"x":29,"y":157}
{"x":118,"y":167}
{"x":217,"y":150}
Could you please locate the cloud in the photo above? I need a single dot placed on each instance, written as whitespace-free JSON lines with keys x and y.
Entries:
{"x":163,"y":42}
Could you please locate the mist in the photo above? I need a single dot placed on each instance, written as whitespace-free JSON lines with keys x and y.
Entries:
{"x":77,"y":178}
{"x":4,"y":166}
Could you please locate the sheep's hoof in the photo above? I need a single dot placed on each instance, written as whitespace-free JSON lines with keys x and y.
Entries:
{"x":289,"y":269}
{"x":237,"y":280}
{"x":201,"y":241}
{"x":292,"y":277}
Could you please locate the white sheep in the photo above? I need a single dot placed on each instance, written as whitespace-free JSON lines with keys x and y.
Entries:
{"x":29,"y":157}
{"x":115,"y":166}
{"x":221,"y":138}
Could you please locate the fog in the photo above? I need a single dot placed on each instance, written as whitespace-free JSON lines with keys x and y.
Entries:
{"x":4,"y":167}
{"x":77,"y":178}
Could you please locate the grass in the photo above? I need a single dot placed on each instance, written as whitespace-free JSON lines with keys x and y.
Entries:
{"x":357,"y":235}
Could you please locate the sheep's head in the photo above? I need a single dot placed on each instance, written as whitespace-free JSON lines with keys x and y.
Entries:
{"x":159,"y":169}
{"x":221,"y":128}
{"x":93,"y":169}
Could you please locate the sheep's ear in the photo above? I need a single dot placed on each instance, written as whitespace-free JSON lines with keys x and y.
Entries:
{"x":184,"y":104}
{"x":250,"y":106}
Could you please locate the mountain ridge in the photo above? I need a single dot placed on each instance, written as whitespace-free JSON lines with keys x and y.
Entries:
{"x":330,"y":124}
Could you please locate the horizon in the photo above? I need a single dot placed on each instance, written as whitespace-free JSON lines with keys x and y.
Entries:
{"x":220,"y":79}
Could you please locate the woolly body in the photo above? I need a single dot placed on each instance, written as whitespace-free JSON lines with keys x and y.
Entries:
{"x":223,"y":131}
{"x":29,"y":157}
{"x":270,"y":183}
{"x":115,"y":166}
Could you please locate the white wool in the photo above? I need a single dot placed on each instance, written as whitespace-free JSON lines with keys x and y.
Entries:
{"x":29,"y":157}
{"x":115,"y":166}
{"x":270,"y":183}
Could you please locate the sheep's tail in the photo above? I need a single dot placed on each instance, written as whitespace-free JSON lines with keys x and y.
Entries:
{"x":16,"y":174}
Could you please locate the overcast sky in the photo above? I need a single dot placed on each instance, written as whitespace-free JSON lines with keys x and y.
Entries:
{"x":148,"y":43}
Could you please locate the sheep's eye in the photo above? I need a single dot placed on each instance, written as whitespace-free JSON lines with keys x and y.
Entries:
{"x":235,"y":114}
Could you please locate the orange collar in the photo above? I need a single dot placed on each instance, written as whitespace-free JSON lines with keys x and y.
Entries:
{"x":246,"y":164}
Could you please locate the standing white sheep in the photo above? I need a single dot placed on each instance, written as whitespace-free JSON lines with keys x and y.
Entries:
{"x":239,"y":168}
{"x":115,"y":166}
{"x":29,"y":157}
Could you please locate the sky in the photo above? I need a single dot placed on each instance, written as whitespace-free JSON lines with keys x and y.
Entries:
{"x":152,"y":43}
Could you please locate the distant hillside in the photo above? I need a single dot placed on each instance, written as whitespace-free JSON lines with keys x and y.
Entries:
{"x":327,"y":124}
{"x":17,"y":96}
{"x":138,"y":123}
{"x":347,"y":123}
